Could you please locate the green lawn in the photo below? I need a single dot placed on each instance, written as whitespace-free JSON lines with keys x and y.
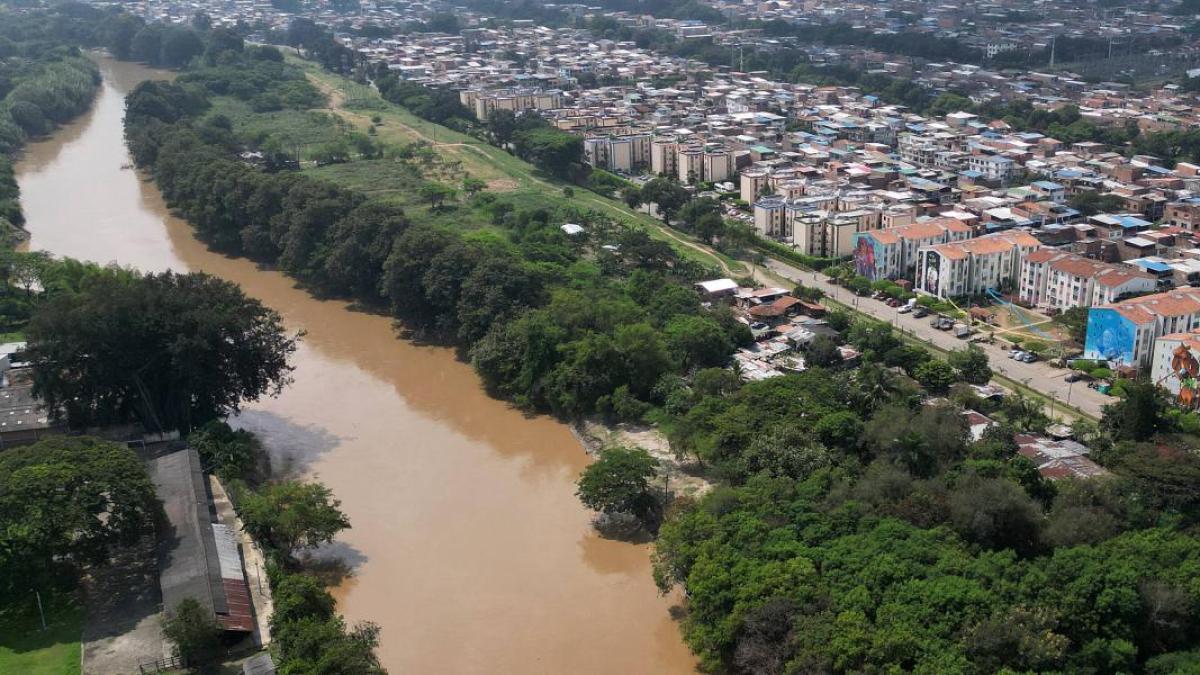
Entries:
{"x":26,"y":649}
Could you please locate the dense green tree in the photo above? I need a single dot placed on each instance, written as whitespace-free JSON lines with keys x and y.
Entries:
{"x":1139,"y":414}
{"x":619,"y":482}
{"x":502,"y":126}
{"x":179,"y":46}
{"x":171,"y":351}
{"x":1075,"y":319}
{"x":67,"y":500}
{"x":697,"y":341}
{"x":822,"y":352}
{"x":228,"y":453}
{"x":291,"y":515}
{"x":667,"y":194}
{"x":997,"y":514}
{"x":195,"y":632}
{"x":972,"y":365}
{"x":551,"y":149}
{"x":936,"y":375}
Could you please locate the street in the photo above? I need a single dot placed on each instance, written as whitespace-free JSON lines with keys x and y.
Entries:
{"x":1039,"y":375}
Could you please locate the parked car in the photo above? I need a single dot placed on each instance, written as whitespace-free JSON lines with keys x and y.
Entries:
{"x":961,"y":330}
{"x":905,"y":309}
{"x":920,"y":312}
{"x":1027,"y":357}
{"x":1076,"y":376}
{"x":893,"y":303}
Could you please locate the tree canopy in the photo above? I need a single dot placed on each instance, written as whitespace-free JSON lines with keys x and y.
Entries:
{"x":171,"y":351}
{"x":66,"y":501}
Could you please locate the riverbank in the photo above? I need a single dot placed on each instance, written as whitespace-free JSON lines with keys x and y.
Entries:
{"x":462,"y":507}
{"x":684,"y":478}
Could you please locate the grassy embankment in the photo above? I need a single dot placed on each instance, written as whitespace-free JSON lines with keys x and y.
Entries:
{"x":353,"y":106}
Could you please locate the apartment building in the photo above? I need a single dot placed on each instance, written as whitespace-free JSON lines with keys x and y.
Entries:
{"x":1174,"y":366}
{"x":664,"y":155}
{"x":752,"y":184}
{"x":995,"y":168}
{"x":1057,"y":281}
{"x":831,"y":234}
{"x":891,"y":252}
{"x":972,"y":266}
{"x":483,"y":102}
{"x":618,"y":153}
{"x":1124,"y":333}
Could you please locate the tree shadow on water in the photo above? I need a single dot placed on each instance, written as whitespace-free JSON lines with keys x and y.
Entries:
{"x":334,"y":563}
{"x":292,"y":448}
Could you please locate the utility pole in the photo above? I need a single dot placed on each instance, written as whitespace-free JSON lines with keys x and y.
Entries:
{"x":41,"y":612}
{"x":1053,"y":44}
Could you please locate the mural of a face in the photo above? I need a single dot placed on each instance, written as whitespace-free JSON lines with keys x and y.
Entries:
{"x":1110,"y":337}
{"x":864,"y":258}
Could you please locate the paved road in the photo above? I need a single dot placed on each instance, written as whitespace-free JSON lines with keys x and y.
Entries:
{"x":1038,"y":376}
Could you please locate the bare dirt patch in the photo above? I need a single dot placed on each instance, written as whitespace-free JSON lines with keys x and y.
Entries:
{"x":682,"y":476}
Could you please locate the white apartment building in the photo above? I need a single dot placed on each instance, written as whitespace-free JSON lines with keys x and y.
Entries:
{"x":993,"y":167}
{"x":1056,"y":280}
{"x":770,"y":218}
{"x":1173,"y":365}
{"x":1125,"y":333}
{"x":971,"y":266}
{"x":813,"y":224}
{"x":891,"y":252}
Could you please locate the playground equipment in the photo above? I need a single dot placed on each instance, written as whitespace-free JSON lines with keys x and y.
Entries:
{"x":1019,"y":314}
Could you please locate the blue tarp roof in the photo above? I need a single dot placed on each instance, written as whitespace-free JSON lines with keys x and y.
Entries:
{"x":1152,"y":265}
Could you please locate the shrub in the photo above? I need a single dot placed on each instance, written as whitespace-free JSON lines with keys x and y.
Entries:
{"x":1100,"y":373}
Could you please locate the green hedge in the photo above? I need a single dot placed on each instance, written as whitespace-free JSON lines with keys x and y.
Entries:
{"x":810,"y":261}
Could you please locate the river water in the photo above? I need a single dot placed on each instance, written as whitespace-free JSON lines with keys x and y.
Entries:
{"x":468,"y":545}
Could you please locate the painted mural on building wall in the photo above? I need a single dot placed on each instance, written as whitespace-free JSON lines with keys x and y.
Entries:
{"x":931,"y":268}
{"x":867,"y":254}
{"x":1111,"y":337}
{"x":1185,"y":373}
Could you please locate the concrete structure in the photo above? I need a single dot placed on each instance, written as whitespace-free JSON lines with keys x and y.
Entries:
{"x":972,"y":266}
{"x":624,"y":153}
{"x":1055,"y":280}
{"x":198,"y":555}
{"x":484,"y":102}
{"x":1124,"y":333}
{"x":891,"y":253}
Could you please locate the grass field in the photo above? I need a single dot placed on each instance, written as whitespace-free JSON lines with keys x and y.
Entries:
{"x":501,"y":170}
{"x":26,"y":649}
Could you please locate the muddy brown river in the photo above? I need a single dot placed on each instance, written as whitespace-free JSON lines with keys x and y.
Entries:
{"x":468,"y":545}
